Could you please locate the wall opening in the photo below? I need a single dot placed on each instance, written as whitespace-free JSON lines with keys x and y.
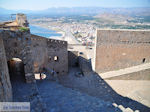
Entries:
{"x":143,"y":60}
{"x":49,"y":58}
{"x":16,"y":69}
{"x":76,"y":64}
{"x":56,"y":58}
{"x":40,"y":76}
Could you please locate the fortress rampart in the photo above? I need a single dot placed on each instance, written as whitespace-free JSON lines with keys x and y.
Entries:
{"x":36,"y":53}
{"x":50,"y":54}
{"x":117,"y":49}
{"x":18,"y":45}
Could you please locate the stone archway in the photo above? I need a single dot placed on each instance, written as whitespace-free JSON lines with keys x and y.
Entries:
{"x":18,"y":44}
{"x":16,"y":69}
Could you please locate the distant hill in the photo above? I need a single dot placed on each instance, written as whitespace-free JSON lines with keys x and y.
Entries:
{"x":5,"y":11}
{"x":83,"y":10}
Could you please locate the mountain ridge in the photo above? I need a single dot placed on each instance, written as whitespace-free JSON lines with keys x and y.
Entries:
{"x":83,"y":10}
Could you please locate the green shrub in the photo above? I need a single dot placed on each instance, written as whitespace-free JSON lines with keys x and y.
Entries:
{"x":23,"y":29}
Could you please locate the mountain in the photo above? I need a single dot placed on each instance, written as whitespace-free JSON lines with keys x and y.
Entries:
{"x":7,"y":11}
{"x":82,"y":10}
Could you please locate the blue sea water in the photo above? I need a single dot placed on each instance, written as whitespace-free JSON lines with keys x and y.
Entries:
{"x":43,"y":31}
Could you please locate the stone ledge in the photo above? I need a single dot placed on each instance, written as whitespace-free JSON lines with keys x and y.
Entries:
{"x":125,"y":71}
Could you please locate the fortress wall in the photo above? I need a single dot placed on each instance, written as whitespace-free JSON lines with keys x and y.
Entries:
{"x":73,"y":58}
{"x":39,"y":51}
{"x":5,"y":85}
{"x":18,"y":45}
{"x":117,"y":49}
{"x":122,"y":36}
{"x":44,"y":52}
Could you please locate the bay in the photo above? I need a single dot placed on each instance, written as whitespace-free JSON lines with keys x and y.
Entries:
{"x":37,"y":30}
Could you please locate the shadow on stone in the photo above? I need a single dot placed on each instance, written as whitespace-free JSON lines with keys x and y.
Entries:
{"x":94,"y":85}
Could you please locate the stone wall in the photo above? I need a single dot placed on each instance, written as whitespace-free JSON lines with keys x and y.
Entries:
{"x":50,"y":54}
{"x":85,"y":65}
{"x":21,"y":20}
{"x":117,"y":49}
{"x":73,"y":58}
{"x":5,"y":85}
{"x":36,"y":52}
{"x":18,"y":45}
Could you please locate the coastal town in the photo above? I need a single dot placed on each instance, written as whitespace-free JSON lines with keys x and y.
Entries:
{"x":81,"y":33}
{"x":82,"y":28}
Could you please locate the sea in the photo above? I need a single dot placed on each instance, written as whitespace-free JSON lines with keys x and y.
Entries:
{"x":37,"y":30}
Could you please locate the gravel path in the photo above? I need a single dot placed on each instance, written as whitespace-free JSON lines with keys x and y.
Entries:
{"x":49,"y":96}
{"x":61,"y":99}
{"x":23,"y":92}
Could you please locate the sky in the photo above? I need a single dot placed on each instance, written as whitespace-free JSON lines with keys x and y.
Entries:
{"x":44,"y":4}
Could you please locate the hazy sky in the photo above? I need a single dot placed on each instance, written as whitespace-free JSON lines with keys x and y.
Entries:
{"x":44,"y":4}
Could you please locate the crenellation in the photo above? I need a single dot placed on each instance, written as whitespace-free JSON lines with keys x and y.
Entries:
{"x":50,"y":49}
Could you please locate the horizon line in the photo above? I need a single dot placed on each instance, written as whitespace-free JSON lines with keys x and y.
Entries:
{"x":71,"y":7}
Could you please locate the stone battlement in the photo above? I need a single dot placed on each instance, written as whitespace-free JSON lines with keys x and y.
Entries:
{"x":21,"y":21}
{"x":40,"y":38}
{"x":36,"y":53}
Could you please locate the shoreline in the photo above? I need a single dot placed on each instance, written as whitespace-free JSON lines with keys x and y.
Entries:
{"x":65,"y":35}
{"x":62,"y":37}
